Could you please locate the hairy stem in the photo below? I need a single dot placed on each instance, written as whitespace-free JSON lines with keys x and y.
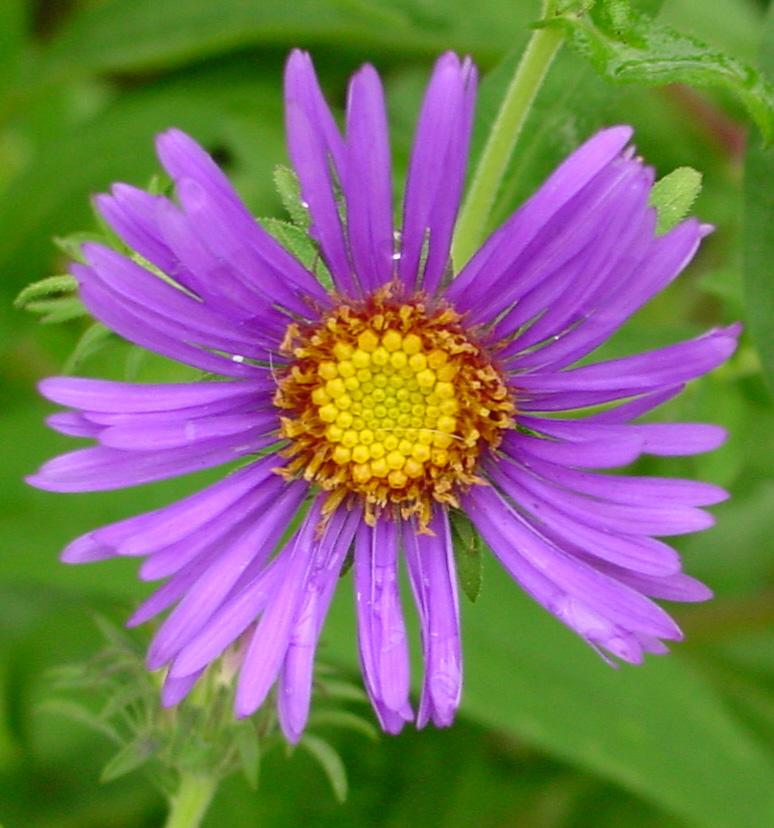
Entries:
{"x":189,"y":805}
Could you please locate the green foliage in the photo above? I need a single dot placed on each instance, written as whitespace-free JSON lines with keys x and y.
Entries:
{"x":758,"y":241}
{"x":289,"y":190}
{"x":548,"y":735}
{"x":626,"y":47}
{"x":674,"y":195}
{"x":330,"y":761}
{"x":468,"y":548}
{"x":200,"y":737}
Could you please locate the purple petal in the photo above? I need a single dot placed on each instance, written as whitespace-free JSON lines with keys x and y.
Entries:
{"x":676,"y":587}
{"x":437,"y":171}
{"x":73,"y":424}
{"x":599,"y":454}
{"x":602,"y":610}
{"x":635,"y":280}
{"x":134,"y":398}
{"x":313,"y":143}
{"x":187,"y":432}
{"x":269,"y":643}
{"x":668,"y":439}
{"x":593,"y":275}
{"x":662,"y":518}
{"x":650,"y":370}
{"x":239,"y":250}
{"x":295,"y":688}
{"x":432,"y":572}
{"x":183,"y":158}
{"x":366,"y":181}
{"x":253,"y":543}
{"x":507,"y":243}
{"x":143,"y":292}
{"x":99,"y":468}
{"x":176,"y":689}
{"x":142,"y":534}
{"x":132,"y":214}
{"x":141,"y":326}
{"x":381,"y":630}
{"x":567,"y":252}
{"x":628,"y":489}
{"x":582,"y":537}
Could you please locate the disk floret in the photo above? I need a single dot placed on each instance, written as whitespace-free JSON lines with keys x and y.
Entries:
{"x":390,"y":401}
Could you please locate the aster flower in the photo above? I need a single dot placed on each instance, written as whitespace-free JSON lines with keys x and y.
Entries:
{"x":363,"y":416}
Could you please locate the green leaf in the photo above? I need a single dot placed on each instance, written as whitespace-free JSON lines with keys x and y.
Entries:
{"x":151,"y":34}
{"x":44,"y":288}
{"x":297,"y":241}
{"x":128,"y":759}
{"x":758,"y":240}
{"x":71,"y":244}
{"x":638,"y":725}
{"x":82,"y":715}
{"x":289,"y":189}
{"x":626,"y":47}
{"x":343,"y":690}
{"x":53,"y":311}
{"x":660,"y":730}
{"x":467,"y":554}
{"x":344,"y":719}
{"x":116,"y":144}
{"x":249,"y":750}
{"x":674,"y":195}
{"x":330,"y":761}
{"x":92,"y":340}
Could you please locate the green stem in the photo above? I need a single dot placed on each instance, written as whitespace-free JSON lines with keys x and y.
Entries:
{"x":189,"y":805}
{"x":532,"y":68}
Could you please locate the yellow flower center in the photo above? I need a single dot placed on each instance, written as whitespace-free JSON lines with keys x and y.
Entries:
{"x":391,"y":402}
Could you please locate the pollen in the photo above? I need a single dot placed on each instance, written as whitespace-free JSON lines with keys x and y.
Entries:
{"x":390,"y":402}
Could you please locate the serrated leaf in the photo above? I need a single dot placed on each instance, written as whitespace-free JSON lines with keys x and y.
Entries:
{"x":467,"y":554}
{"x":343,"y":719}
{"x":71,"y":244}
{"x":330,"y":761}
{"x":249,"y":750}
{"x":129,"y":758}
{"x":343,"y":690}
{"x":134,"y":360}
{"x":297,"y":241}
{"x":92,"y":339}
{"x":674,"y":195}
{"x":289,"y":190}
{"x":78,"y":713}
{"x":54,"y":311}
{"x":45,"y":288}
{"x":626,"y":47}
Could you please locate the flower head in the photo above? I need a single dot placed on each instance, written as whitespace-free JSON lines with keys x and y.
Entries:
{"x":367,"y":413}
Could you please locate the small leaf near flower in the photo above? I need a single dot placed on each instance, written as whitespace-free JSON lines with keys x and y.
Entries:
{"x":92,"y":339}
{"x":673,"y":196}
{"x":626,"y":47}
{"x":45,"y":289}
{"x":467,"y":554}
{"x":330,"y":761}
{"x":129,"y":758}
{"x":249,"y":750}
{"x":289,"y":190}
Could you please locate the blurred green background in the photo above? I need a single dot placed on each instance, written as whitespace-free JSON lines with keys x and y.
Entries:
{"x":548,"y":736}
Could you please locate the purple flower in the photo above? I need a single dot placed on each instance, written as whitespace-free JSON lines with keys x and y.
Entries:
{"x":366,"y":414}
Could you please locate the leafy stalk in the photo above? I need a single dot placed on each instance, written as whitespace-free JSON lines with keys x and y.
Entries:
{"x":519,"y":96}
{"x":189,"y":805}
